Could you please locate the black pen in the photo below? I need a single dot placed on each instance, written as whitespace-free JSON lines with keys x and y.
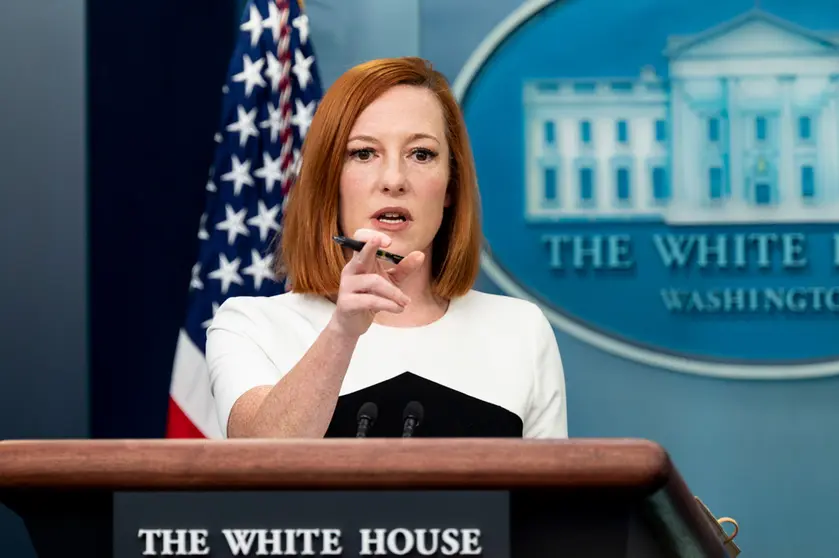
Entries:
{"x":357,"y":245}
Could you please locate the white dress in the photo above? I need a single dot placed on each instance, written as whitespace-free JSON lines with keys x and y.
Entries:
{"x":487,"y":348}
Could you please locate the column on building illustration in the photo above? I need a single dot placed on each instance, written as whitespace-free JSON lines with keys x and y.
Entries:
{"x":657,"y":167}
{"x":788,"y":185}
{"x":551,"y":167}
{"x":622,"y":172}
{"x":805,"y":180}
{"x":757,"y":122}
{"x":738,"y":129}
{"x":715,"y":130}
{"x":764,"y":155}
{"x":827,"y":132}
{"x":679,"y":144}
{"x":833,"y":177}
{"x":585,"y":167}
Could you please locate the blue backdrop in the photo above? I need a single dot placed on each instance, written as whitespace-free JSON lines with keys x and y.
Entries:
{"x":763,"y":452}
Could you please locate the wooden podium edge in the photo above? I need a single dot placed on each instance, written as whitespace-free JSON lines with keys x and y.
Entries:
{"x":369,"y":463}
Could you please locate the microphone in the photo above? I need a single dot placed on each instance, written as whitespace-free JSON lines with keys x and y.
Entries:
{"x":412,"y":417}
{"x":366,"y":418}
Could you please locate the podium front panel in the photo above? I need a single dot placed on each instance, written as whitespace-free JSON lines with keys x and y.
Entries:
{"x":523,"y":523}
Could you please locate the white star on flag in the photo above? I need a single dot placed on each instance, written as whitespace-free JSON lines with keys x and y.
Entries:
{"x":270,"y":171}
{"x":253,"y":25}
{"x":260,"y":268}
{"x":244,"y":125}
{"x":251,"y":74}
{"x":266,"y":220}
{"x":202,"y":228}
{"x":301,"y":23}
{"x":234,"y":224}
{"x":195,"y":282}
{"x":274,"y":71}
{"x":227,"y":273}
{"x":206,"y":323}
{"x":303,"y":115}
{"x":274,"y":121}
{"x":273,"y":22}
{"x":240,"y":174}
{"x":301,"y":68}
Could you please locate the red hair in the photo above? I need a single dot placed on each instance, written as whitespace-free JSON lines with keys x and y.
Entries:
{"x":307,"y":256}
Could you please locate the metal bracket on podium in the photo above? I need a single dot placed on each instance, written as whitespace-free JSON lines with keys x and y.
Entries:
{"x":718,"y":523}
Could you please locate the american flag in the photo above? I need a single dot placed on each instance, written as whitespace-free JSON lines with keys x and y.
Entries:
{"x":270,"y":96}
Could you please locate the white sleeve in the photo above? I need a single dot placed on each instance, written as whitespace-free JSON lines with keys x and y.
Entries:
{"x":548,"y":416}
{"x":245,"y":350}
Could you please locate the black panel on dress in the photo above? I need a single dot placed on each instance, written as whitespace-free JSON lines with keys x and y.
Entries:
{"x":448,"y":413}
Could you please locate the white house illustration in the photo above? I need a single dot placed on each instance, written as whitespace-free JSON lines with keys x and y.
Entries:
{"x":744,"y":129}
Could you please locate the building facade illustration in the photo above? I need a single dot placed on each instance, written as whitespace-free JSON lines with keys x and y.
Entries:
{"x":744,"y":128}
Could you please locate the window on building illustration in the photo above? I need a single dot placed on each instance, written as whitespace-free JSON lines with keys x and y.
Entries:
{"x":550,"y":133}
{"x":760,"y":128}
{"x":713,"y":129}
{"x":550,"y":186}
{"x":623,"y":131}
{"x":715,"y":183}
{"x":586,"y":184}
{"x":808,"y":182}
{"x":585,"y":131}
{"x":585,"y":87}
{"x":623,"y":184}
{"x":763,"y":193}
{"x":804,"y":131}
{"x":661,"y":191}
{"x":660,"y":130}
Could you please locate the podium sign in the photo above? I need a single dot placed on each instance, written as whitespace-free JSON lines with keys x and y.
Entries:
{"x":312,"y":523}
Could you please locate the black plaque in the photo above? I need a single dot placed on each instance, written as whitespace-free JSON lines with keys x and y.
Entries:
{"x":472,"y":523}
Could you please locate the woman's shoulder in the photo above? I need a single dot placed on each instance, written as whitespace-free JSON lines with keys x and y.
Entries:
{"x":516,"y":320}
{"x":273,"y":311}
{"x":501,"y":309}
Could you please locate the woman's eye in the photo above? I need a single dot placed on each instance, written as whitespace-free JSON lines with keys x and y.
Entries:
{"x":423,"y":155}
{"x":363,"y":154}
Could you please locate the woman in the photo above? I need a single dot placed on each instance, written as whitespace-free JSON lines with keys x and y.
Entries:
{"x":386,"y":161}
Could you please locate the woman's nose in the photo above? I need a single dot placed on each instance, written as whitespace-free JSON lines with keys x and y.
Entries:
{"x":393,"y":178}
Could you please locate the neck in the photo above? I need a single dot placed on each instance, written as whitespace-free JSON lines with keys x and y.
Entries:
{"x":425,"y":306}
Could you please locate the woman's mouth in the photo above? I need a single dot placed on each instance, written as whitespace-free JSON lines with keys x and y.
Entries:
{"x":392,"y":219}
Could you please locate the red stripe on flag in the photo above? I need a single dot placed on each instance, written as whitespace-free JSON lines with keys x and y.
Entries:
{"x":178,"y":424}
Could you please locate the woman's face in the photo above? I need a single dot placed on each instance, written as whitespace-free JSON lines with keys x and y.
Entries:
{"x":396,"y":170}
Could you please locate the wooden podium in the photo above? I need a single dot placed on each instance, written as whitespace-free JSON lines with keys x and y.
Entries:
{"x":588,"y":498}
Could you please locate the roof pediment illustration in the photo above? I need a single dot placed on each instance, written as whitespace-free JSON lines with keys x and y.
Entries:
{"x":754,"y":33}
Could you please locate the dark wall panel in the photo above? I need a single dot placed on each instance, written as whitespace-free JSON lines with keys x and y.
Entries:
{"x":156,"y":69}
